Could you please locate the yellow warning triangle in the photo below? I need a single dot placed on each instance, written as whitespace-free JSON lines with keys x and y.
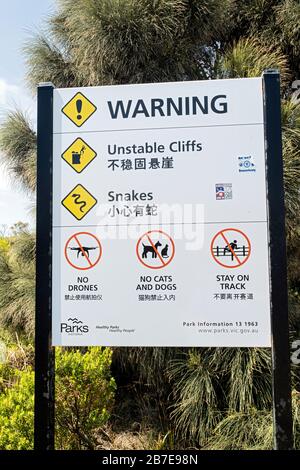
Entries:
{"x":79,"y":109}
{"x":79,"y":155}
{"x":79,"y":201}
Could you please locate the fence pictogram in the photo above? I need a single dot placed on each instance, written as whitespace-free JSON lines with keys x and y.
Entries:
{"x":230,"y":248}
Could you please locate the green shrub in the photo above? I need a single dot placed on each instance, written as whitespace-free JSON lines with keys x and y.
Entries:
{"x":84,"y":397}
{"x":4,"y":244}
{"x":16,"y":413}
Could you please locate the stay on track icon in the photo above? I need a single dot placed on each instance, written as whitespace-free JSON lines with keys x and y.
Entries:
{"x":155,"y":249}
{"x":230,"y":248}
{"x":83,"y":250}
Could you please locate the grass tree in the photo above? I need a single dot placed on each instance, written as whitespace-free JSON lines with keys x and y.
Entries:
{"x":17,"y":282}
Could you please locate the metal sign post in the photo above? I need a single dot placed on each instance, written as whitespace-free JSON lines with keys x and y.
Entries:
{"x":44,"y":352}
{"x":282,"y":410}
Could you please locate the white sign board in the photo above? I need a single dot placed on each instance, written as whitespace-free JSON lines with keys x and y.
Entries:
{"x":160,"y":234}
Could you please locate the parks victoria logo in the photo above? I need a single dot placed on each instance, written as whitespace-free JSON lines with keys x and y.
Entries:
{"x":74,"y":327}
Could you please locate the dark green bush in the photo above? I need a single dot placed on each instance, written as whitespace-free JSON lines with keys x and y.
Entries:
{"x":84,"y":398}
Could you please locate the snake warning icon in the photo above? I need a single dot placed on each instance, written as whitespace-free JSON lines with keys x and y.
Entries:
{"x":83,"y":250}
{"x":155,"y":249}
{"x":230,"y":248}
{"x":79,"y":202}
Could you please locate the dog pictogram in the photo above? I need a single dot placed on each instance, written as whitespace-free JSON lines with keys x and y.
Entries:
{"x":150,"y":249}
{"x":155,"y":249}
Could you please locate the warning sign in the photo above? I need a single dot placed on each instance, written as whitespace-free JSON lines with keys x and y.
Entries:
{"x":150,"y":186}
{"x":79,"y":109}
{"x":79,"y":155}
{"x":155,"y":249}
{"x":79,"y":202}
{"x":230,"y":248}
{"x":83,"y":250}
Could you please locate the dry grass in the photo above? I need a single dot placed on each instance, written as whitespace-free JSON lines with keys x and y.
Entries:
{"x":144,"y":439}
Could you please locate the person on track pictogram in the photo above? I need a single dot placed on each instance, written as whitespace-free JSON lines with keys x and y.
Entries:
{"x":231,"y":247}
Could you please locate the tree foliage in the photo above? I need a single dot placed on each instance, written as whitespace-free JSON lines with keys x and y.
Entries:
{"x":17,"y":282}
{"x":96,"y":42}
{"x":18,"y":142}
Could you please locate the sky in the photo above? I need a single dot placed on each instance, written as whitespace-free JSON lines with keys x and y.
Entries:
{"x":19,"y":19}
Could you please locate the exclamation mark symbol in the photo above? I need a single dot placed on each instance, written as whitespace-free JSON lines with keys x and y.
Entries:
{"x":79,"y":108}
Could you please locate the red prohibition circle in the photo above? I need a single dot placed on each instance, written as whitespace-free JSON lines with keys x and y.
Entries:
{"x":163,"y":264}
{"x":220,"y":233}
{"x":92,"y":265}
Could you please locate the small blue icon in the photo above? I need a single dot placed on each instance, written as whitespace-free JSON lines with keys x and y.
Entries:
{"x":246,"y":164}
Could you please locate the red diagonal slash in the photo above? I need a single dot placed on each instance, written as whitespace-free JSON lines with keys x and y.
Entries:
{"x":156,"y":251}
{"x":82,"y":251}
{"x":228,"y":245}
